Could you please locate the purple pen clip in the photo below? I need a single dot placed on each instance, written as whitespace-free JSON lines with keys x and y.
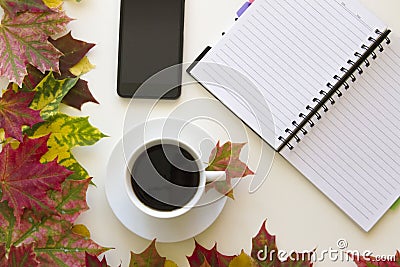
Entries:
{"x":243,"y":9}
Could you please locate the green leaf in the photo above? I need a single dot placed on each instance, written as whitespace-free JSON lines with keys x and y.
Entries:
{"x":148,"y":258}
{"x":66,"y":131}
{"x":396,"y":204}
{"x":49,"y":93}
{"x":67,"y":160}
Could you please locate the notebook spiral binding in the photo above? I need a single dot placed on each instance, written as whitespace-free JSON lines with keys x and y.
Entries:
{"x":321,"y":104}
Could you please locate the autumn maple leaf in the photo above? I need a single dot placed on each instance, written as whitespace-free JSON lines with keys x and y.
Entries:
{"x":12,"y":7}
{"x":73,"y":51}
{"x":265,"y":252}
{"x":211,"y":256}
{"x":3,"y":259}
{"x":24,"y":39}
{"x":93,"y":261}
{"x":55,"y":239}
{"x":226,"y":158}
{"x":67,"y":247}
{"x":71,"y":201}
{"x":149,"y":257}
{"x":18,"y":256}
{"x":24,"y":181}
{"x":15,"y":112}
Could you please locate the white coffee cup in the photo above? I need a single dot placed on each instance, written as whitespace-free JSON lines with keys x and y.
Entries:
{"x":204,"y":177}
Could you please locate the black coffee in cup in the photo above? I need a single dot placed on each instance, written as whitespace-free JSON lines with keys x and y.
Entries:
{"x":165,"y":177}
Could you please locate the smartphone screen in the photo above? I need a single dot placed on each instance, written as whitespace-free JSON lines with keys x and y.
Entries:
{"x":150,"y":40}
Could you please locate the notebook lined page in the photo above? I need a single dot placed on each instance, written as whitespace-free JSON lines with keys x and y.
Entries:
{"x":352,"y":153}
{"x":288,"y":50}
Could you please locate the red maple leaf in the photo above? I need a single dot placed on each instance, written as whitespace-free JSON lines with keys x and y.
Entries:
{"x":205,"y":263}
{"x":3,"y":259}
{"x":15,"y":112}
{"x":93,"y":261}
{"x":73,"y":51}
{"x":25,"y":181}
{"x":205,"y":256}
{"x":18,"y":256}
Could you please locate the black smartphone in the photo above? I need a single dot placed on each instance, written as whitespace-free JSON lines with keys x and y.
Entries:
{"x":150,"y":40}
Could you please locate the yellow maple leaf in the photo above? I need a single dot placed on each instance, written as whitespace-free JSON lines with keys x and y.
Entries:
{"x":243,"y":260}
{"x":169,"y":263}
{"x":81,"y":229}
{"x":3,"y":140}
{"x":53,"y":3}
{"x":83,"y":66}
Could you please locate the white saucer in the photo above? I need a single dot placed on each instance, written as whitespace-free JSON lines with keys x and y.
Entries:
{"x":175,"y":229}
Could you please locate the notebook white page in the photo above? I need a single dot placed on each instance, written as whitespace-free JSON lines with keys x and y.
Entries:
{"x":290,"y":50}
{"x":352,"y":153}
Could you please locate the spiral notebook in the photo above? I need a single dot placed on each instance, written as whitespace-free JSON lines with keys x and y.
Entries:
{"x":321,"y":84}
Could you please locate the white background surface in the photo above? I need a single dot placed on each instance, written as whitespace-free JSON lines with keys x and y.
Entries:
{"x":299,"y":215}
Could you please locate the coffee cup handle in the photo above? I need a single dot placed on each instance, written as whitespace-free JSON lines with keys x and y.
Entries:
{"x":212,"y":176}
